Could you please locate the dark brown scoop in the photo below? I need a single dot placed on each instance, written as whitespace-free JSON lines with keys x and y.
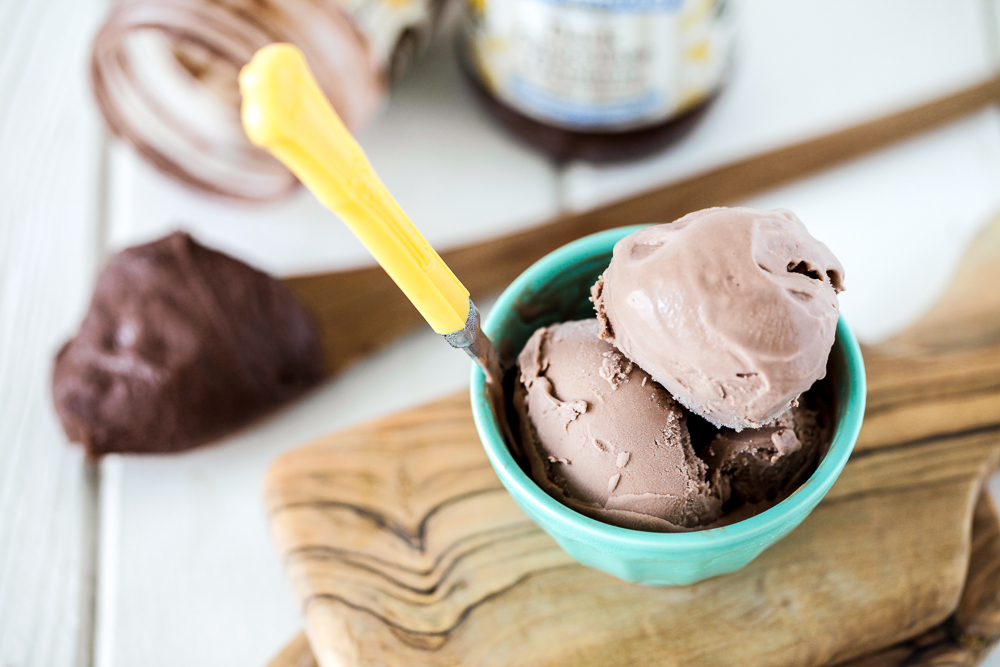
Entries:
{"x":181,"y":345}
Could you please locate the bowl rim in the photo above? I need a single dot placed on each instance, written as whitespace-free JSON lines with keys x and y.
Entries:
{"x":562,"y":520}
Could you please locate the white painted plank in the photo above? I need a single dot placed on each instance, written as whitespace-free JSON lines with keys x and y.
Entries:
{"x":49,"y":161}
{"x":451,"y":169}
{"x":803,"y":68}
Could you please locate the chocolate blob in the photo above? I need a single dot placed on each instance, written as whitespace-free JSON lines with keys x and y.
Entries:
{"x":181,"y":345}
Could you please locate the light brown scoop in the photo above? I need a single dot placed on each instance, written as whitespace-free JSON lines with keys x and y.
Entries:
{"x":733,"y":310}
{"x":603,"y":438}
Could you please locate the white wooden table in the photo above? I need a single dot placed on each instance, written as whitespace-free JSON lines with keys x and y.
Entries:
{"x":166,"y":560}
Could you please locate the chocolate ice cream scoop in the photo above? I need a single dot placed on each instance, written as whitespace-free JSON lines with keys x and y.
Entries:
{"x":603,"y":438}
{"x":733,"y":310}
{"x":182,"y":344}
{"x":757,"y":465}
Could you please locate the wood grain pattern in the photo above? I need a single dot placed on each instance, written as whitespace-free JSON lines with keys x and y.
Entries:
{"x":961,"y":641}
{"x":50,"y":155}
{"x":360,"y":310}
{"x":977,"y":618}
{"x":968,"y":634}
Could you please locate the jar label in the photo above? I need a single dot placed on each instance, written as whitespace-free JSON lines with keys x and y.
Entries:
{"x":603,"y":65}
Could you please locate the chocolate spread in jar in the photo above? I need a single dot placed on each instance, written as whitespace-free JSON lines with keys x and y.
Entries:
{"x":599,"y":80}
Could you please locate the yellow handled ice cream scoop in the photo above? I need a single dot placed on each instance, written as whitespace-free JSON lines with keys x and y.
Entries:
{"x":285,"y":112}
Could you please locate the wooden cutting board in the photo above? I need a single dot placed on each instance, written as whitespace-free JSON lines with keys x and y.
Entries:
{"x":404,"y":548}
{"x":961,"y":641}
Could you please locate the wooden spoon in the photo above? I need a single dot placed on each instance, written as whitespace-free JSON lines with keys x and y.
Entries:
{"x":360,"y":310}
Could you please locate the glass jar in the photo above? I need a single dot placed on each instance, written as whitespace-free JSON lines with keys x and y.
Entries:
{"x":164,"y":73}
{"x":600,"y":80}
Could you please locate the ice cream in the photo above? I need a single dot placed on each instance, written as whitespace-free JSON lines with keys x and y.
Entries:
{"x":686,"y":404}
{"x":757,"y":465}
{"x":733,"y":310}
{"x":602,"y":437}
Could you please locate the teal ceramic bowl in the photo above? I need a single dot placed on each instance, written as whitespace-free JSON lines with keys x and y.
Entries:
{"x":556,"y":289}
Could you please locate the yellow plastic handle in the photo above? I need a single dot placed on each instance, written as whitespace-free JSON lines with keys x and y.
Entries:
{"x":285,"y":112}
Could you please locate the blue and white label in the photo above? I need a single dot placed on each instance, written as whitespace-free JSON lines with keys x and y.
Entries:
{"x":587,"y":114}
{"x":602,"y":65}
